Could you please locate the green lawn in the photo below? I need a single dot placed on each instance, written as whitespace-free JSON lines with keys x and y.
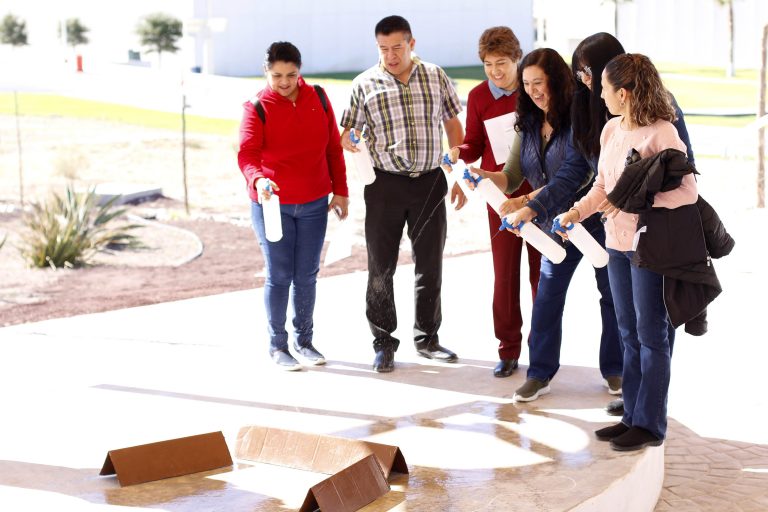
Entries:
{"x":701,"y":89}
{"x":50,"y":105}
{"x":696,"y":88}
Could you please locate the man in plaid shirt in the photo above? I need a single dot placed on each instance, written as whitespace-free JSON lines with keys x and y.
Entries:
{"x":404,"y":103}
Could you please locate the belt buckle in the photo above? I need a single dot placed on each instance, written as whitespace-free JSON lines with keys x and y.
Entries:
{"x":413,"y":174}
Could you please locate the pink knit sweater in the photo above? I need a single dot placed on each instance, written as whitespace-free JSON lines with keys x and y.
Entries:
{"x":615,"y":143}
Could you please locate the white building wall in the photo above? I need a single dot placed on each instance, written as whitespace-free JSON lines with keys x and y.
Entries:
{"x":690,"y":31}
{"x":338,"y":35}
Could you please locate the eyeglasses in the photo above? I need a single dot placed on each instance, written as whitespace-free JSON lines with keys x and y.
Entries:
{"x":584,"y":74}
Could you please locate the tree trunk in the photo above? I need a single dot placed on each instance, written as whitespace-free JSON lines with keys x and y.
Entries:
{"x":761,"y":130}
{"x":731,"y":71}
{"x":18,"y":144}
{"x":184,"y":150}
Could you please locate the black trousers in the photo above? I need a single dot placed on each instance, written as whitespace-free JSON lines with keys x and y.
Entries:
{"x":393,"y":202}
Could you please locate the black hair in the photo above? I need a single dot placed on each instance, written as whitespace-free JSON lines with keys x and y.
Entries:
{"x":560,"y":84}
{"x":282,"y":51}
{"x":588,"y":111}
{"x":392,"y":24}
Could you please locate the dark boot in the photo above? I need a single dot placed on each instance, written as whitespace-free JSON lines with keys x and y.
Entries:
{"x":635,"y":438}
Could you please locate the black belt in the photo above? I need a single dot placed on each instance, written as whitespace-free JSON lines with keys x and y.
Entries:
{"x":408,"y":174}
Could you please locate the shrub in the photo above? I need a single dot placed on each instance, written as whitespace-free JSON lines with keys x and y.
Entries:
{"x":69,"y":162}
{"x":68,"y":231}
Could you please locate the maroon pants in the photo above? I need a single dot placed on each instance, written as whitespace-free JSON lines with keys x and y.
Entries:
{"x":507,"y":250}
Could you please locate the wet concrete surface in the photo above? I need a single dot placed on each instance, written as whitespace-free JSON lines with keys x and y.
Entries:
{"x":76,"y":388}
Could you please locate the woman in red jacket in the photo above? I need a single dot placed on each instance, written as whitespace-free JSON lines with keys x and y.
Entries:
{"x":500,"y":52}
{"x":289,"y":144}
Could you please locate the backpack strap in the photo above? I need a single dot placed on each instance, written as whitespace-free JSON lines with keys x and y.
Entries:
{"x":323,"y":98}
{"x":260,"y":108}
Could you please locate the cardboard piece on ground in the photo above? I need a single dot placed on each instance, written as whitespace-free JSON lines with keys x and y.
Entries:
{"x":166,"y":459}
{"x":348,"y":490}
{"x":313,"y":452}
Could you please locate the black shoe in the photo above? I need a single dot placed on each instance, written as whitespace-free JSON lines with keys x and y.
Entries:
{"x":285,"y":360}
{"x":434,"y":351}
{"x":311,"y":354}
{"x":615,"y":407}
{"x":608,"y":433}
{"x":635,"y":438}
{"x":505,"y":368}
{"x":384,"y":362}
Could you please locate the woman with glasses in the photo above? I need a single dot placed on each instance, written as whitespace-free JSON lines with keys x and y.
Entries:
{"x":590,"y":115}
{"x":499,"y":50}
{"x":633,"y":91}
{"x":537,"y":155}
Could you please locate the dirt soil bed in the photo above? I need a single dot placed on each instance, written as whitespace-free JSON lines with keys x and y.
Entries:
{"x":212,"y":250}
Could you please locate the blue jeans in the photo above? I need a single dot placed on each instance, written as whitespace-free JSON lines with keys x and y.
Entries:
{"x":547,"y":315}
{"x":294,"y":260}
{"x":647,"y":336}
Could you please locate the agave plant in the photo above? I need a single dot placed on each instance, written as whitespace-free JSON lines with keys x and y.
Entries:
{"x":67,"y":231}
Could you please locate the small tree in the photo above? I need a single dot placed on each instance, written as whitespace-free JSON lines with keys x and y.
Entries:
{"x":76,"y":32}
{"x":13,"y":31}
{"x":159,"y":33}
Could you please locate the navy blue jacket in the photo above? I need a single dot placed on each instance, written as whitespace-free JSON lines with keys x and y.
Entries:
{"x":576,"y":175}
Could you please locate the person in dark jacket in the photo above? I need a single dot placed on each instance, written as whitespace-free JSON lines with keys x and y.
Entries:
{"x":588,"y":117}
{"x":543,"y":128}
{"x":633,"y":91}
{"x":685,"y":260}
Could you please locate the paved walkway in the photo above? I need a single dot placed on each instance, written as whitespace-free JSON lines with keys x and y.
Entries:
{"x":86,"y":384}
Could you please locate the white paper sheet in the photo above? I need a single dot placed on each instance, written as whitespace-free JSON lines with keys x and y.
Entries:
{"x":340,"y":243}
{"x":501,"y":133}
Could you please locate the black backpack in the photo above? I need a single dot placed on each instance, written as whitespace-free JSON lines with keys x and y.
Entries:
{"x":260,"y":108}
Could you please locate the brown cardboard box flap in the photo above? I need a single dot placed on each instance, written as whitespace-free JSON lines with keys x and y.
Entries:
{"x":166,"y":459}
{"x":313,"y":452}
{"x":349,"y":490}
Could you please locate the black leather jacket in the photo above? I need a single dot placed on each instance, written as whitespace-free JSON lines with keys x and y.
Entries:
{"x":678,"y":243}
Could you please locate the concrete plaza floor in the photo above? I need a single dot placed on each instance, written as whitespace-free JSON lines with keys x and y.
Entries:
{"x":75,"y":388}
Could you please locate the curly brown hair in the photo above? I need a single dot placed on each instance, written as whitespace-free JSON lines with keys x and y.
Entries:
{"x":649,"y":99}
{"x":499,"y":41}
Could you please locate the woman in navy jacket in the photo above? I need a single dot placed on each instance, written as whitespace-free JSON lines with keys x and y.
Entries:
{"x":588,"y":117}
{"x":544,"y":126}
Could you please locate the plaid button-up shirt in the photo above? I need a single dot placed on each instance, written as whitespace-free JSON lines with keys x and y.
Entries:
{"x":404,"y":120}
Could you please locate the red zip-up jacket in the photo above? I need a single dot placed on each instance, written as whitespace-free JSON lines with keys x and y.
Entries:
{"x":297,"y":146}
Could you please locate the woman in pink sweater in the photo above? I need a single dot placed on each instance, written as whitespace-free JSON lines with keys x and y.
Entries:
{"x":633,"y":91}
